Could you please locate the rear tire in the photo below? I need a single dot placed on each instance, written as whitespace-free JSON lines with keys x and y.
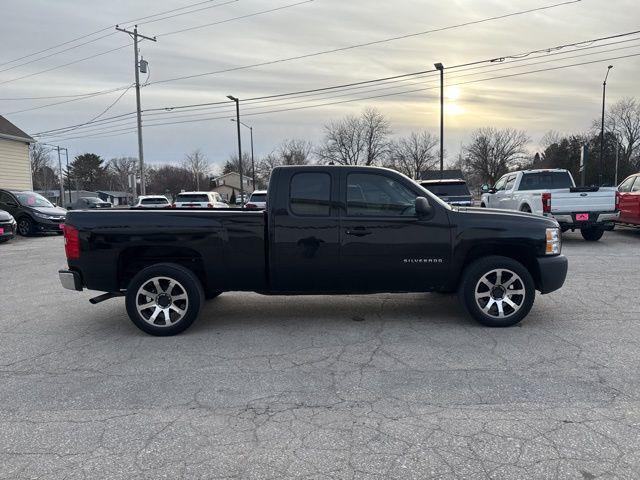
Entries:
{"x":482,"y":205}
{"x":164,"y":299}
{"x":497,"y":291}
{"x":592,"y":234}
{"x":25,"y":226}
{"x":525,"y":209}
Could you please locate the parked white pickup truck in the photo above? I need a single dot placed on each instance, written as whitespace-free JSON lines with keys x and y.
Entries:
{"x":553,"y":193}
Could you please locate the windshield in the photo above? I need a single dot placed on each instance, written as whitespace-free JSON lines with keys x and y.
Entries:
{"x":156,"y":201}
{"x":32,"y":199}
{"x":258,"y":197}
{"x":192,"y":197}
{"x":448,"y":189}
{"x":545,"y":181}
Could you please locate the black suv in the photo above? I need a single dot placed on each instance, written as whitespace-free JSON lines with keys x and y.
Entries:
{"x":454,"y":191}
{"x":32,"y":211}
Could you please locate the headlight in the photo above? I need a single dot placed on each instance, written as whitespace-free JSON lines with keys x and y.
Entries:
{"x":43,"y":215}
{"x":554,"y":241}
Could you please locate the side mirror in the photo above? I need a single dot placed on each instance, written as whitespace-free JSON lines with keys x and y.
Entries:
{"x":423,"y":208}
{"x":484,"y":188}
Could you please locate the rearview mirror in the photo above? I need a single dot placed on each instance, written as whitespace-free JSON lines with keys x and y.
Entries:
{"x":423,"y":208}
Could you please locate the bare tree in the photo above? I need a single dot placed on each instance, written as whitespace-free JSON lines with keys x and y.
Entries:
{"x":120,"y":168}
{"x":623,"y":118}
{"x":41,"y":171}
{"x":198,"y":165}
{"x":233,"y":165}
{"x":356,"y":140}
{"x":414,"y":154}
{"x":290,"y":152}
{"x":492,"y":152}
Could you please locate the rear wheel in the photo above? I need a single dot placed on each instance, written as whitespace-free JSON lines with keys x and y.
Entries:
{"x":592,"y":234}
{"x":525,"y":209}
{"x":497,"y":291}
{"x":25,"y":226}
{"x":164,"y":299}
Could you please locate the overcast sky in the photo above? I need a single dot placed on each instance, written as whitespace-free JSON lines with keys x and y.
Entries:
{"x":566,"y":100}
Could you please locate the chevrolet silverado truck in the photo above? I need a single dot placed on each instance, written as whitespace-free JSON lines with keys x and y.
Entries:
{"x":327,"y":230}
{"x":553,"y":193}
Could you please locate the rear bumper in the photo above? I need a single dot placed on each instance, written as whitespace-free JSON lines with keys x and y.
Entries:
{"x":70,"y":280}
{"x":568,"y":219}
{"x":553,"y":272}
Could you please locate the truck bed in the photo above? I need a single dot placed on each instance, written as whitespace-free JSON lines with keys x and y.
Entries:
{"x":211,"y":239}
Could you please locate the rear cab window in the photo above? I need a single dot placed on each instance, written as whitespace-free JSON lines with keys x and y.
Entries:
{"x":258,"y":197}
{"x":545,"y":181}
{"x":310,"y":194}
{"x":154,"y":201}
{"x":192,"y":198}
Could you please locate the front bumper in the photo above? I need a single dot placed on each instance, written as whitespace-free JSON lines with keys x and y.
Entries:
{"x":46,"y":225}
{"x":70,"y":280}
{"x":8,"y":230}
{"x":553,"y":272}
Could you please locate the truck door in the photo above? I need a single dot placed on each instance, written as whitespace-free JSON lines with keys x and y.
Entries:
{"x":304,"y":239}
{"x":507,"y":199}
{"x":384,"y":245}
{"x":628,"y":200}
{"x":495,"y":198}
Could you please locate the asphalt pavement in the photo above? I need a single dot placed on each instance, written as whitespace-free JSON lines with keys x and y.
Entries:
{"x":379,"y":386}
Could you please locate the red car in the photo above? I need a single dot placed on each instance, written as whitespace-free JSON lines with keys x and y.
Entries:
{"x":629,"y":192}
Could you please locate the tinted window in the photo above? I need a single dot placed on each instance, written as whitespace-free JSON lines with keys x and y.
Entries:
{"x":310,"y":194}
{"x":636,"y":185}
{"x":155,"y":201}
{"x":545,"y":181}
{"x":5,"y":198}
{"x":447,"y":189}
{"x":32,"y":199}
{"x":193,"y":197}
{"x":370,"y":194}
{"x":626,"y":185}
{"x":258,"y":197}
{"x":500,"y":183}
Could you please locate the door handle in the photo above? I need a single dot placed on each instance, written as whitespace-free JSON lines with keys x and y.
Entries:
{"x":358,"y":232}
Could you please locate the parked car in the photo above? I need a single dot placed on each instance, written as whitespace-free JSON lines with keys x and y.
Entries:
{"x":553,"y":193}
{"x":257,"y":200}
{"x":629,"y":203}
{"x":199,"y":200}
{"x":152,"y":201}
{"x":239,"y":199}
{"x":32,"y":211}
{"x":8,"y":226}
{"x":327,"y":230}
{"x":88,"y":203}
{"x":453,"y":191}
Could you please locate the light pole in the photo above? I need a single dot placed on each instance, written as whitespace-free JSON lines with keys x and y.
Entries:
{"x":237,"y":101}
{"x":440,"y":67}
{"x":253,"y":164}
{"x":604,"y":89}
{"x":66,"y":154}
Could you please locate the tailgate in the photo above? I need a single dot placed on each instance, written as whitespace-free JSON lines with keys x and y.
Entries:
{"x":564,"y":201}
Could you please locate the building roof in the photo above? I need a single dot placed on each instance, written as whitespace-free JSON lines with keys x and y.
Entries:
{"x":112,"y":193}
{"x":9,"y":131}
{"x":244,"y":175}
{"x":441,"y":175}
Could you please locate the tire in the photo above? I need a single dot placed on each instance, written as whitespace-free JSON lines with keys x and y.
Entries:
{"x":592,"y":234}
{"x":212,"y":294}
{"x":482,"y":205}
{"x":514,"y":277}
{"x":525,"y":209}
{"x":182,"y":311}
{"x":25,"y":226}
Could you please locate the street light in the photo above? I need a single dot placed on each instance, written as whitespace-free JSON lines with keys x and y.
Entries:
{"x":237,"y":101}
{"x":440,"y":67}
{"x":604,"y":89}
{"x":253,"y":165}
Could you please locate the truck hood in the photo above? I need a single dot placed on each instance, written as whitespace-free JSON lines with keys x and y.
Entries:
{"x":508,"y":215}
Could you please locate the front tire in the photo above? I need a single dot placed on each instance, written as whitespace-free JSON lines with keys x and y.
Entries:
{"x":592,"y":234}
{"x":497,"y":291}
{"x":164,"y":299}
{"x":25,"y":226}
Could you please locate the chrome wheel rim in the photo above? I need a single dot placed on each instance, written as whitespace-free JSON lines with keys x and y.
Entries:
{"x":162,"y":301}
{"x":500,"y":293}
{"x":23,"y":227}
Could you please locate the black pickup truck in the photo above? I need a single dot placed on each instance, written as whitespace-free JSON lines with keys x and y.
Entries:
{"x":327,"y":230}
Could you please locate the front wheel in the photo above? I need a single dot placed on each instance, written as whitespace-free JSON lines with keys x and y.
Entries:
{"x":25,"y":226}
{"x":164,"y":299}
{"x":497,"y":291}
{"x":592,"y":234}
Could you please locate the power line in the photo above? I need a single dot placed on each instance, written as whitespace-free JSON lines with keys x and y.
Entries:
{"x":189,"y":12}
{"x":77,"y":95}
{"x":367,"y":44}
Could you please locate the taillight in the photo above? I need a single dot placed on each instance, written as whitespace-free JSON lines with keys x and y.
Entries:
{"x":209,"y":205}
{"x":251,"y":205}
{"x":546,"y":202}
{"x":617,"y":200}
{"x":173,"y":205}
{"x":71,"y":242}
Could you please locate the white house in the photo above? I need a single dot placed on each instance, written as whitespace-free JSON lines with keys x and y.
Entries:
{"x":15,"y":165}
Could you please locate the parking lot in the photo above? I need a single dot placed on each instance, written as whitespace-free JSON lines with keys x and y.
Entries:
{"x":381,"y":386}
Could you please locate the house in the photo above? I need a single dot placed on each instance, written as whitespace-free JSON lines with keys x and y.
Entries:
{"x":15,"y":164}
{"x":441,"y":175}
{"x":229,"y":184}
{"x":116,"y":198}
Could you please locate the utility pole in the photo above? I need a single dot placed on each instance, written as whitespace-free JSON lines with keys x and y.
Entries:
{"x":253,"y":163}
{"x":237,"y":101}
{"x":61,"y":199}
{"x":137,"y":66}
{"x":66,"y":153}
{"x":604,"y":89}
{"x":440,"y":67}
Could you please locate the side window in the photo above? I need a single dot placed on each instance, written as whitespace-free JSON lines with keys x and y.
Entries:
{"x":501,"y":183}
{"x":4,"y":198}
{"x":510,"y":182}
{"x":310,"y":194}
{"x":626,"y":185}
{"x":636,"y":185}
{"x":370,"y":194}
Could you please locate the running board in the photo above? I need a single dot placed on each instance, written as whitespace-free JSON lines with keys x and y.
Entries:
{"x":105,"y":296}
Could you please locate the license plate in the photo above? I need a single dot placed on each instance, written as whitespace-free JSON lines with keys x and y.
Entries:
{"x":61,"y":226}
{"x":1,"y":231}
{"x":582,"y":217}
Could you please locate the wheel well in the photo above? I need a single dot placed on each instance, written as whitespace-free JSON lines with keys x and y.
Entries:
{"x":525,"y":208}
{"x":527,"y":259}
{"x":134,"y":259}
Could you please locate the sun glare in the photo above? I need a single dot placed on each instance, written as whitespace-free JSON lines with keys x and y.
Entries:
{"x":453,"y":93}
